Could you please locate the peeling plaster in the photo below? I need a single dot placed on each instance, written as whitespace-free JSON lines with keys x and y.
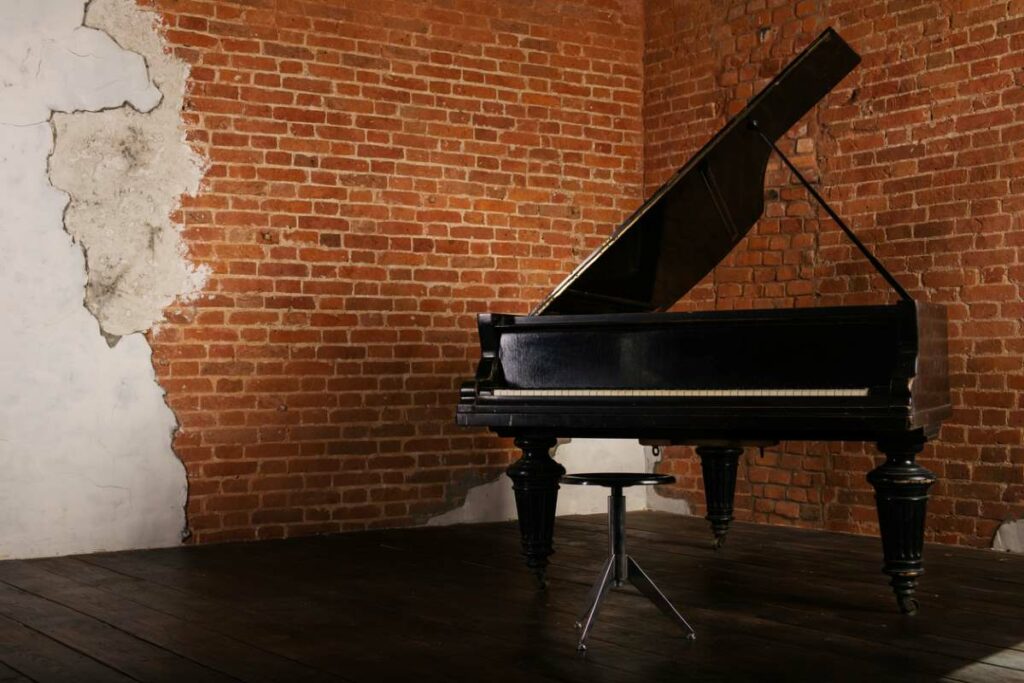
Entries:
{"x":46,"y":57}
{"x":656,"y":500}
{"x":84,"y":431}
{"x":1010,"y":536}
{"x":495,"y":502}
{"x":140,"y":165}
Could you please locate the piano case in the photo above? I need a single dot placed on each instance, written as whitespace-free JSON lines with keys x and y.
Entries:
{"x":600,"y":357}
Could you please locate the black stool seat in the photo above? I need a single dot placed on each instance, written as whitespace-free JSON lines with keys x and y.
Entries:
{"x":620,"y":479}
{"x":620,"y":567}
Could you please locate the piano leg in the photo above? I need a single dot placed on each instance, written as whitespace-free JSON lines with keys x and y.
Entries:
{"x":718,"y":464}
{"x":901,"y":494}
{"x":535,"y":482}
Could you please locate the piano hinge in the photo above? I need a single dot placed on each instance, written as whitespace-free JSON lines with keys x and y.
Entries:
{"x":886,"y":275}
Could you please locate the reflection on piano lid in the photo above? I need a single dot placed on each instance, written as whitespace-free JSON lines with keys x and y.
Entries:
{"x":696,"y":218}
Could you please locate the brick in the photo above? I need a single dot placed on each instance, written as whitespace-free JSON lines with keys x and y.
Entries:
{"x":350,"y":209}
{"x":926,"y":151}
{"x":364,"y":199}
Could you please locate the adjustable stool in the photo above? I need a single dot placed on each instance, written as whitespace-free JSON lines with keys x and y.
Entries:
{"x":620,"y":567}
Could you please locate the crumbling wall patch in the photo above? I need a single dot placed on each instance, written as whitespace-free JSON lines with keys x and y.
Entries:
{"x":139,"y":165}
{"x":85,"y":435}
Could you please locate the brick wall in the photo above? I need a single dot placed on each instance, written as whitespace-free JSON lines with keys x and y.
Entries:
{"x":379,"y":173}
{"x":922,"y":150}
{"x":378,"y":177}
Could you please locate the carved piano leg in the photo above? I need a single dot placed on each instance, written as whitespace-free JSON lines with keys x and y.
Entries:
{"x":718,"y":464}
{"x":535,"y":482}
{"x":901,"y":494}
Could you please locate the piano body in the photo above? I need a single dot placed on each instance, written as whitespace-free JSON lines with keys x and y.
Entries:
{"x":600,"y":358}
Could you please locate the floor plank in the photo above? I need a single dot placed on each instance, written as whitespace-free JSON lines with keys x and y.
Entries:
{"x":9,"y":675}
{"x":942,"y":585}
{"x":96,"y":639}
{"x":454,"y":604}
{"x":210,"y":650}
{"x":37,"y":657}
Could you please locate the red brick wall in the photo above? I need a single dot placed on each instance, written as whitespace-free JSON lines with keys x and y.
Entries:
{"x":922,"y":150}
{"x":379,"y":173}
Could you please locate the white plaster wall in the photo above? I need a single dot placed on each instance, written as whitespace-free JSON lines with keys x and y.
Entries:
{"x":494,"y":501}
{"x":139,"y":167}
{"x":85,"y":457}
{"x":1010,"y":536}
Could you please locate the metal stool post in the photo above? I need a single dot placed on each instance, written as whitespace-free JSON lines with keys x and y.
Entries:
{"x":617,"y":534}
{"x":620,"y":567}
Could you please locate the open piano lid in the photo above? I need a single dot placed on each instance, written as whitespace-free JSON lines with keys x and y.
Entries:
{"x":696,"y":218}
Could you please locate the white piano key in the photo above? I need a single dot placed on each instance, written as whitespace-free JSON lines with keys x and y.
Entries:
{"x":682,"y":393}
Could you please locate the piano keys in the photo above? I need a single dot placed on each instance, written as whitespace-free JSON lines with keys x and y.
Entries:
{"x":601,"y":357}
{"x":679,"y":393}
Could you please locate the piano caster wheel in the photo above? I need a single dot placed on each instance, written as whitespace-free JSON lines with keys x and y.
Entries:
{"x":691,"y":636}
{"x":542,"y":579}
{"x":718,"y":542}
{"x":908,"y":605}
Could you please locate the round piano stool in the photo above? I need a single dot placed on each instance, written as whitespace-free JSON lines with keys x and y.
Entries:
{"x":620,"y":567}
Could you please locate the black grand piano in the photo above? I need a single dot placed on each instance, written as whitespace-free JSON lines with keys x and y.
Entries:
{"x":599,"y":357}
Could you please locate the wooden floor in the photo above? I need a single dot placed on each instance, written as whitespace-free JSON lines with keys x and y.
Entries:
{"x":454,"y":604}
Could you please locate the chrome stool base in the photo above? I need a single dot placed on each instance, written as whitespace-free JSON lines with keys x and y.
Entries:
{"x":620,"y":567}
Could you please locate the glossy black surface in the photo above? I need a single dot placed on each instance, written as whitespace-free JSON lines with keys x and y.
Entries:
{"x":688,"y":226}
{"x":812,"y":349}
{"x":885,"y":367}
{"x":872,"y":347}
{"x":620,"y":479}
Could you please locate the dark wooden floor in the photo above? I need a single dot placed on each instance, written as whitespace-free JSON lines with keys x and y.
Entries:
{"x":454,"y":604}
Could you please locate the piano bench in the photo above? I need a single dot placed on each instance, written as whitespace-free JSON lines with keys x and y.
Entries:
{"x":620,"y":567}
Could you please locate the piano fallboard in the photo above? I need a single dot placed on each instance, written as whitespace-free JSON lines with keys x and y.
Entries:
{"x":815,"y":373}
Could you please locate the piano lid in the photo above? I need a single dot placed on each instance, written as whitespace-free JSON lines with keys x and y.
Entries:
{"x":696,"y":218}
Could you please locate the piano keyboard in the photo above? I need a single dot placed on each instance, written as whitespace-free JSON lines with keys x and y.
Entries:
{"x":682,"y":393}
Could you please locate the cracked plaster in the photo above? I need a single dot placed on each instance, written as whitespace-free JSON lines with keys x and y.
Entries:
{"x":1010,"y":536}
{"x":84,"y":431}
{"x":140,"y":165}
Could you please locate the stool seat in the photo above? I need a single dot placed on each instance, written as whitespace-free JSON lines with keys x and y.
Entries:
{"x":620,"y":567}
{"x":619,"y":479}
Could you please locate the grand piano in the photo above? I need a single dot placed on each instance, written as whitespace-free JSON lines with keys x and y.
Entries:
{"x":600,"y":357}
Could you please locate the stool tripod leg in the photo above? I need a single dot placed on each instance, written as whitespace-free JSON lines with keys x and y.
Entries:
{"x":595,"y":590}
{"x":597,"y":593}
{"x":643,"y":583}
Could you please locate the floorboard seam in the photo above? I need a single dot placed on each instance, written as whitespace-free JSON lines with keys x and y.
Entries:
{"x":106,"y":623}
